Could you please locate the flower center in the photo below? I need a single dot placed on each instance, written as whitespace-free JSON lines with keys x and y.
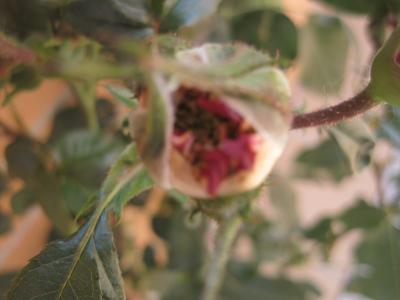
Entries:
{"x":211,"y":136}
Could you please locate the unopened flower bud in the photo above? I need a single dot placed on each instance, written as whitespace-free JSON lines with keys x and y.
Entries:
{"x":216,"y":126}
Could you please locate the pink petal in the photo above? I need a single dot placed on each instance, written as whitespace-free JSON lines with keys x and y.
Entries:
{"x":215,"y":169}
{"x":182,"y":140}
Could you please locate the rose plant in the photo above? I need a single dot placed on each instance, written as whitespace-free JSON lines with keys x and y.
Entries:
{"x":206,"y":123}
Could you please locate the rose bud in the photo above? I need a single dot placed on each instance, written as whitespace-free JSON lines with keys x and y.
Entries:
{"x":216,"y":123}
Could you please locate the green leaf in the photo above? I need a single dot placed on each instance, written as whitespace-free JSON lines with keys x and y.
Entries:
{"x":362,"y":215}
{"x":321,"y":231}
{"x":3,"y":183}
{"x":139,"y":183}
{"x":260,"y":288}
{"x":324,"y":53}
{"x":390,"y":126}
{"x":283,"y":197}
{"x":324,"y":161}
{"x":5,"y":223}
{"x":267,"y":30}
{"x":24,"y":18}
{"x":156,"y":7}
{"x":23,"y":199}
{"x":121,"y":17}
{"x":187,"y":13}
{"x":82,"y":267}
{"x":22,"y":160}
{"x":379,"y":260}
{"x":385,"y":72}
{"x":123,"y":95}
{"x":356,"y":141}
{"x":85,"y":156}
{"x":75,"y":195}
{"x":235,"y":7}
{"x":179,"y":196}
{"x":86,"y":265}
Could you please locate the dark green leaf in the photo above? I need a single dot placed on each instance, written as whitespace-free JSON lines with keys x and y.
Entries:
{"x":65,"y":120}
{"x":24,"y":18}
{"x":75,"y":195}
{"x":3,"y":182}
{"x":324,"y":52}
{"x":86,"y":265}
{"x":5,"y":282}
{"x":122,"y":17}
{"x":261,"y":288}
{"x":85,"y":156}
{"x":362,"y":215}
{"x":82,"y":267}
{"x":156,"y":7}
{"x":325,"y":161}
{"x":22,"y":160}
{"x":379,"y":258}
{"x":268,"y":30}
{"x":5,"y":223}
{"x":187,"y":13}
{"x":23,"y":199}
{"x":321,"y":231}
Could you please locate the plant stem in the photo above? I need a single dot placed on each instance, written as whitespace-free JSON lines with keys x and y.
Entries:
{"x":335,"y":114}
{"x":86,"y":92}
{"x":225,"y":238}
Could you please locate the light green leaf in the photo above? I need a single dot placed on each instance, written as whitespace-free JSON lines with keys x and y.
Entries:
{"x":379,"y":259}
{"x":123,"y":95}
{"x":138,"y":183}
{"x":390,"y":126}
{"x":385,"y":71}
{"x":356,"y":141}
{"x":324,"y":52}
{"x":324,"y":161}
{"x":267,"y":30}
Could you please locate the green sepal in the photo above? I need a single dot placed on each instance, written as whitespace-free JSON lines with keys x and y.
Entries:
{"x":385,"y":72}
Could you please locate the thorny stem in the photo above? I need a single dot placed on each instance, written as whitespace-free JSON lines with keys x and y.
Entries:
{"x":226,"y":235}
{"x":335,"y":114}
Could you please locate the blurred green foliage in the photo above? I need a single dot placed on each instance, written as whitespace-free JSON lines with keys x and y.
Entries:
{"x":83,"y":42}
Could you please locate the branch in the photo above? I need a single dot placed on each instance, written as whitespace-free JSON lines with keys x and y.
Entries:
{"x":226,"y":235}
{"x":335,"y":114}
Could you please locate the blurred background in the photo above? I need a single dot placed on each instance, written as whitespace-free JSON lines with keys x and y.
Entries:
{"x":327,"y":222}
